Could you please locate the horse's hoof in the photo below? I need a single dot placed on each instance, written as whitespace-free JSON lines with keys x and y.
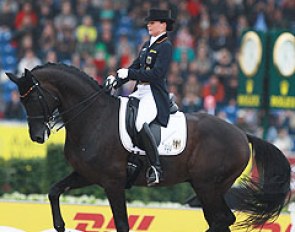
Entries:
{"x":60,"y":228}
{"x":218,"y":230}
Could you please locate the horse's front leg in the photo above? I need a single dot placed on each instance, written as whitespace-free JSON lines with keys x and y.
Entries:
{"x":116,"y":197}
{"x":74,"y":180}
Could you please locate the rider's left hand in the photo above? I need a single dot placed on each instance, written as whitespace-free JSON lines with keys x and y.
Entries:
{"x":122,"y":73}
{"x":110,"y":83}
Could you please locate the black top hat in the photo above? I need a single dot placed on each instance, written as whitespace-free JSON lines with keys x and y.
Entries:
{"x":161,"y":15}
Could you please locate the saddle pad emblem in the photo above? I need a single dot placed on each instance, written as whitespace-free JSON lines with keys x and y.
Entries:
{"x":173,"y":138}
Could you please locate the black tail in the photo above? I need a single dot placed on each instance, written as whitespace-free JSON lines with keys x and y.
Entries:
{"x":264,"y":199}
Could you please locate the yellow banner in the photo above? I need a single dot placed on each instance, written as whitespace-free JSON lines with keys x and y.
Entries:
{"x":34,"y":217}
{"x":15,"y":142}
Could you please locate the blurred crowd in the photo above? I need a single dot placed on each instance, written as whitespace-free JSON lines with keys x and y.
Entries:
{"x":101,"y":36}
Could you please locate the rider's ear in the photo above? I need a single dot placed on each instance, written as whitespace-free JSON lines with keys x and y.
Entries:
{"x":12,"y":77}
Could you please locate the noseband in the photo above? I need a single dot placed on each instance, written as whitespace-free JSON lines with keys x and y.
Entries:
{"x":50,"y":119}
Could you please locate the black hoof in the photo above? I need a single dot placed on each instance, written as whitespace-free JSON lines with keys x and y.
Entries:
{"x":60,"y":228}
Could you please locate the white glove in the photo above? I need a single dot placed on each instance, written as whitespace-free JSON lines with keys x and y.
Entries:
{"x":110,"y":82}
{"x":122,"y":73}
{"x":110,"y":79}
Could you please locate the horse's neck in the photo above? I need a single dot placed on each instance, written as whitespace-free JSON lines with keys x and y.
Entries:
{"x":94,"y":114}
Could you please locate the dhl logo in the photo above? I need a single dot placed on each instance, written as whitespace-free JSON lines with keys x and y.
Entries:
{"x":273,"y":227}
{"x":90,"y":222}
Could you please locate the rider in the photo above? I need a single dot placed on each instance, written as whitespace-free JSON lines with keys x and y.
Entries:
{"x":150,"y":71}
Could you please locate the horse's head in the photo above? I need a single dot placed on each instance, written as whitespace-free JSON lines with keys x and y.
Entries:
{"x":39,"y":104}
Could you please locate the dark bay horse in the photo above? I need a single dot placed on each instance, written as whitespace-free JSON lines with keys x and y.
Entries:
{"x":215,"y":155}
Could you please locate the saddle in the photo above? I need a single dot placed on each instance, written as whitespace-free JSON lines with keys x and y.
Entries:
{"x":131,"y":115}
{"x":170,"y":140}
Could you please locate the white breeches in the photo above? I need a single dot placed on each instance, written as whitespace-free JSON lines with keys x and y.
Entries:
{"x":147,"y":109}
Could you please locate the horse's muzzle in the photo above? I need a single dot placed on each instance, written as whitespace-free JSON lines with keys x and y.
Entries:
{"x":41,"y":136}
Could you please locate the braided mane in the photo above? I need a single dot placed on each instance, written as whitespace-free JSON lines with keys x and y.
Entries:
{"x":77,"y":73}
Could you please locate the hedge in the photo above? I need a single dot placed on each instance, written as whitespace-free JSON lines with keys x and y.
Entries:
{"x":37,"y":175}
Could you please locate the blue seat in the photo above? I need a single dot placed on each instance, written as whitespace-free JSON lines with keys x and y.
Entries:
{"x":5,"y":36}
{"x":9,"y":63}
{"x":7,"y":50}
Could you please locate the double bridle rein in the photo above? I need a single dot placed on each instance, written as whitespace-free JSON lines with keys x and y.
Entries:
{"x":52,"y":118}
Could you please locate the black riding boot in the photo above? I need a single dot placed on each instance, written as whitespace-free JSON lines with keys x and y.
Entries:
{"x":154,"y":173}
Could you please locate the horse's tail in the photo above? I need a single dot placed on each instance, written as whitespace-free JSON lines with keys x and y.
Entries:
{"x":264,"y":199}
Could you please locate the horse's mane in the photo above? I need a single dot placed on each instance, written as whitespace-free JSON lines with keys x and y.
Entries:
{"x":73,"y":70}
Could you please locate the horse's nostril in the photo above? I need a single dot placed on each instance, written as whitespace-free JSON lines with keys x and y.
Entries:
{"x":39,"y":139}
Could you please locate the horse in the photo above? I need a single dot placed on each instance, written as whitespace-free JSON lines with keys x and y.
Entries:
{"x":215,"y":154}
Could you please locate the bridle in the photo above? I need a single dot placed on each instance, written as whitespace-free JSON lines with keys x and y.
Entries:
{"x":52,"y":118}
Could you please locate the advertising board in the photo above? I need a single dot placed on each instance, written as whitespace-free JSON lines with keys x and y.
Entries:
{"x":36,"y":217}
{"x":15,"y":142}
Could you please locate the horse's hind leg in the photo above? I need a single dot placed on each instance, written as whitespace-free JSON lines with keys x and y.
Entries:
{"x":74,"y":180}
{"x":216,"y":212}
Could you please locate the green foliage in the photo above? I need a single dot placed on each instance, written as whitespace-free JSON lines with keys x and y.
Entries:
{"x":56,"y":167}
{"x":38,"y":175}
{"x":178,"y":193}
{"x":3,"y":176}
{"x":25,"y":175}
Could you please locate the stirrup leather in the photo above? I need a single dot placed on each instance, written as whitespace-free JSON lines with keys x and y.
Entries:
{"x":152,"y":170}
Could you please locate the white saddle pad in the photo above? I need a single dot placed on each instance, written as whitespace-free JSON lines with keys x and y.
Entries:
{"x":173,"y":137}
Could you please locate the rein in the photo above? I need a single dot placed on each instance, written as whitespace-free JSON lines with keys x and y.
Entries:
{"x":50,"y":119}
{"x":91,"y":98}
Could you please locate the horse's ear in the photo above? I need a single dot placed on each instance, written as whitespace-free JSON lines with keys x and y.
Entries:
{"x":13,"y":77}
{"x":28,"y":73}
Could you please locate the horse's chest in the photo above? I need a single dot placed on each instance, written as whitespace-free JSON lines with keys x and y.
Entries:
{"x":84,"y":163}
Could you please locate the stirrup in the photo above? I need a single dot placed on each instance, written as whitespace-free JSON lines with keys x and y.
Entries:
{"x":152,"y":172}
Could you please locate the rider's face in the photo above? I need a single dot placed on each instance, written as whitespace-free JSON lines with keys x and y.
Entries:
{"x":155,"y":28}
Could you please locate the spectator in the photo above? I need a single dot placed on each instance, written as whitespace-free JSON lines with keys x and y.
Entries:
{"x":29,"y":61}
{"x":26,"y":43}
{"x":241,"y":25}
{"x":242,"y":122}
{"x":194,"y":8}
{"x":48,"y":38}
{"x":202,"y":65}
{"x":90,"y":68}
{"x":14,"y":109}
{"x":210,"y":104}
{"x":66,"y":19}
{"x":192,"y":101}
{"x":45,"y":13}
{"x":125,"y":51}
{"x":107,"y":11}
{"x":222,"y":34}
{"x":51,"y":57}
{"x":214,"y":88}
{"x":66,"y":44}
{"x":86,"y":35}
{"x":261,"y":20}
{"x":288,"y":8}
{"x":173,"y":89}
{"x":223,"y":67}
{"x":6,"y":14}
{"x":283,"y":141}
{"x":26,"y":17}
{"x":231,"y":111}
{"x":105,"y":39}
